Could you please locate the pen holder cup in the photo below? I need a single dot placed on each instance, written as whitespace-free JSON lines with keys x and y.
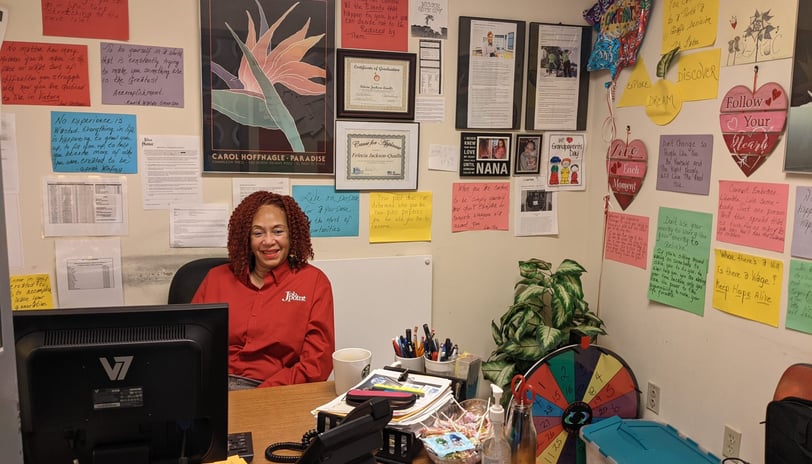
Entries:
{"x":444,"y":368}
{"x":412,"y":364}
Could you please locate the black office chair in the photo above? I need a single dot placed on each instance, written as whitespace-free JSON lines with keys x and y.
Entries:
{"x":188,"y":277}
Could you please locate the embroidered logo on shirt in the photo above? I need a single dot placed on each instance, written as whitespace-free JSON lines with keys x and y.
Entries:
{"x":293,"y":296}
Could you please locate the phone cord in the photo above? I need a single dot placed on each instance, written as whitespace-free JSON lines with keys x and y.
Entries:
{"x":290,"y":445}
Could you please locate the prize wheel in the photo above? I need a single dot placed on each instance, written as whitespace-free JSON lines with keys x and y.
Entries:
{"x":576,"y":386}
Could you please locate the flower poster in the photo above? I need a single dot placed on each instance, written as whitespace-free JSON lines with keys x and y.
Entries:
{"x":267,"y":102}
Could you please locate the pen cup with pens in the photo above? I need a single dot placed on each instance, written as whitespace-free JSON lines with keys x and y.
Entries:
{"x":408,"y":352}
{"x":439,"y":356}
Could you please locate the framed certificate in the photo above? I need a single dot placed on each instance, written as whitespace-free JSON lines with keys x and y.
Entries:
{"x":376,"y":155}
{"x":373,"y":84}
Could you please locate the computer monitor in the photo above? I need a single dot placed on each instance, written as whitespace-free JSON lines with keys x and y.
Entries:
{"x":124,"y":385}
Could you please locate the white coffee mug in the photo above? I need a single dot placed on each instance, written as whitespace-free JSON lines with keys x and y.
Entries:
{"x":350,"y":366}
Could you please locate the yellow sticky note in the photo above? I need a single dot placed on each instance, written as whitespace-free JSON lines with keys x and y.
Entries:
{"x":689,"y":24}
{"x":664,"y":102}
{"x":31,"y":291}
{"x":637,"y":88}
{"x":399,"y":217}
{"x":748,"y":286}
{"x":233,"y":459}
{"x":698,"y":75}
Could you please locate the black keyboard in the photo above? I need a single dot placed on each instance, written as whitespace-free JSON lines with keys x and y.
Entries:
{"x":240,"y":443}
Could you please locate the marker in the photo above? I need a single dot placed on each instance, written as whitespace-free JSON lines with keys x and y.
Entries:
{"x":400,"y":388}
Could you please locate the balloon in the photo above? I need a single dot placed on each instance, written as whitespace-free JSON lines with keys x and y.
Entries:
{"x":621,"y":25}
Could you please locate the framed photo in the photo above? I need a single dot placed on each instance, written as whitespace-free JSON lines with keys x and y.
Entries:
{"x":527,"y":158}
{"x":485,"y":154}
{"x":376,"y":155}
{"x":490,"y":70}
{"x":557,"y":77}
{"x":798,"y":157}
{"x":373,"y":84}
{"x":265,"y":110}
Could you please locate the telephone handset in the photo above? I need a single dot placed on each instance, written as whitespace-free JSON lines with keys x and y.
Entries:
{"x":353,"y":441}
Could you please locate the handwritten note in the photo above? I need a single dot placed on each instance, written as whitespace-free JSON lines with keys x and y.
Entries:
{"x":753,"y":214}
{"x":802,"y":224}
{"x":331,"y":213}
{"x":664,"y":102}
{"x":698,"y":75}
{"x":679,"y":268}
{"x":748,"y":286}
{"x":44,"y":74}
{"x":799,"y":296}
{"x":32,"y":291}
{"x":375,"y":24}
{"x":684,"y":164}
{"x":93,"y":142}
{"x":627,"y":239}
{"x":689,"y":24}
{"x":93,"y":19}
{"x":635,"y":92}
{"x":399,"y":217}
{"x":480,"y":206}
{"x":141,"y":75}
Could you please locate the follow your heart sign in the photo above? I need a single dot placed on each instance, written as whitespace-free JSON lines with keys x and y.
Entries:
{"x":752,"y":121}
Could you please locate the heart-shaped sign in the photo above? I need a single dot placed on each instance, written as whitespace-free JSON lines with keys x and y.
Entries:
{"x":626,"y":166}
{"x":752,"y":123}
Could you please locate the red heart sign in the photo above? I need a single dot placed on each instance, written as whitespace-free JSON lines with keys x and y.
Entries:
{"x":627,"y":169}
{"x":752,"y":123}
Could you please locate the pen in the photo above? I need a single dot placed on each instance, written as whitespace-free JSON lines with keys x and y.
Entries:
{"x":396,"y":346}
{"x":401,"y":388}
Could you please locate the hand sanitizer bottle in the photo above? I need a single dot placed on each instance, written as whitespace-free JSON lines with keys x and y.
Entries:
{"x":496,"y":449}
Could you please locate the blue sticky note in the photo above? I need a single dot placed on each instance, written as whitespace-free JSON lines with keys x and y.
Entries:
{"x":331,"y":213}
{"x":93,"y":142}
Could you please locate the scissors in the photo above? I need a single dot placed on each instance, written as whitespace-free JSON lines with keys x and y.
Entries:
{"x":520,"y":393}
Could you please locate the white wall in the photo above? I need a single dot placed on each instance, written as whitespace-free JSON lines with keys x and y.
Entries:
{"x":718,"y":369}
{"x":713,"y":370}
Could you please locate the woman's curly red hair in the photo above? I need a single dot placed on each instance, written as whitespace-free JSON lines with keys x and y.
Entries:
{"x":239,"y":231}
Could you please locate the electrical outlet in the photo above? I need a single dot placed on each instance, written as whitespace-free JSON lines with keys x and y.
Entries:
{"x":732,"y":442}
{"x":653,"y":398}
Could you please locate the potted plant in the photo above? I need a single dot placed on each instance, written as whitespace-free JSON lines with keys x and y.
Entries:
{"x":548,"y":311}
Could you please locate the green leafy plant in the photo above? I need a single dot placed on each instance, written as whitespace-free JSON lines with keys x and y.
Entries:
{"x":548,"y":307}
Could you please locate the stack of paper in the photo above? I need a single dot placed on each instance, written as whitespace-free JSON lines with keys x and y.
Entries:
{"x":436,"y":394}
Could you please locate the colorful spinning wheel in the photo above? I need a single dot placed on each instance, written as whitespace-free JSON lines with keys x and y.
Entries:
{"x":575,"y":386}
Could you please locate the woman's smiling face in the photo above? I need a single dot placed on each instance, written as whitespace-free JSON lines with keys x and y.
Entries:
{"x":270,"y":238}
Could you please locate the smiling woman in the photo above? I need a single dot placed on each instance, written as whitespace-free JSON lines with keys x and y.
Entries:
{"x":281,"y":328}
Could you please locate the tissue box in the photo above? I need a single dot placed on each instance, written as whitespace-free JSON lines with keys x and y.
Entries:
{"x":637,"y":441}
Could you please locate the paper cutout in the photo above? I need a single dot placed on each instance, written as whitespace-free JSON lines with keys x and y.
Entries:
{"x":752,"y":34}
{"x":679,"y":267}
{"x":480,"y":206}
{"x":664,"y":102}
{"x":331,"y":213}
{"x":689,"y":24}
{"x":802,"y":223}
{"x":92,"y":19}
{"x":698,"y":75}
{"x":637,"y":88}
{"x":626,"y":239}
{"x":748,"y":286}
{"x":32,"y":291}
{"x":684,"y":164}
{"x":753,"y":214}
{"x":752,"y":121}
{"x":93,"y":142}
{"x":141,"y":75}
{"x":799,"y":296}
{"x":399,"y":217}
{"x":384,"y":26}
{"x":627,"y":169}
{"x":44,"y":74}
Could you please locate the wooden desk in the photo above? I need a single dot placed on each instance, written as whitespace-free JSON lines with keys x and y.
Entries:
{"x":280,"y":414}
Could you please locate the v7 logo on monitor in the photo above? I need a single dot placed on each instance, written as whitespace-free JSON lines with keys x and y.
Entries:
{"x":118,"y":370}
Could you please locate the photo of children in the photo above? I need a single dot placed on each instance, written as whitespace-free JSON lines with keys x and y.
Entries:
{"x":558,"y":61}
{"x":527,"y":154}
